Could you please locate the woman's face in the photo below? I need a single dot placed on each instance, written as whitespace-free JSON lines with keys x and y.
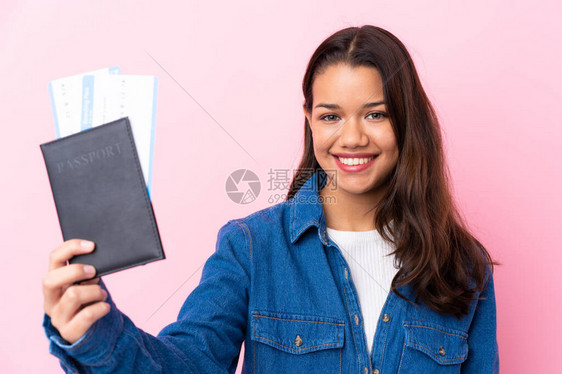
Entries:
{"x":351,"y":131}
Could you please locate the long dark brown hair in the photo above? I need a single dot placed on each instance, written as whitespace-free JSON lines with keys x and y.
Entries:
{"x":438,"y":255}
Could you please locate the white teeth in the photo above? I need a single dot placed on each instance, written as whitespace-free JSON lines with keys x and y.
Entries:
{"x":354,"y":161}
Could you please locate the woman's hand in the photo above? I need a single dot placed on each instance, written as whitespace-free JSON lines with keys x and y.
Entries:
{"x":73,"y":308}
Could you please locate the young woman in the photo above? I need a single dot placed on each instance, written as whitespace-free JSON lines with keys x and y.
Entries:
{"x":367,"y":267}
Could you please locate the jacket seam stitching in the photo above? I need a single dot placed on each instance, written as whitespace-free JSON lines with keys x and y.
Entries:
{"x":298,"y":320}
{"x":340,"y":359}
{"x":293,"y":349}
{"x":433,"y":328}
{"x":386,"y":334}
{"x":247,"y":236}
{"x":433,"y":354}
{"x":249,"y":244}
{"x":401,"y":357}
{"x":351,"y":327}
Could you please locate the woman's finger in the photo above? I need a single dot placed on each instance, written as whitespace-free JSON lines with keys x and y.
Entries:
{"x":83,"y":320}
{"x":75,"y":297}
{"x":96,"y":280}
{"x":68,"y":249}
{"x":57,"y":281}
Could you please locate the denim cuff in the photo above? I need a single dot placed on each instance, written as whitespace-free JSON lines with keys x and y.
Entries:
{"x":95,"y":346}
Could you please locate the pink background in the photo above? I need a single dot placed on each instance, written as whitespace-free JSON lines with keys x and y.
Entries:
{"x":491,"y":68}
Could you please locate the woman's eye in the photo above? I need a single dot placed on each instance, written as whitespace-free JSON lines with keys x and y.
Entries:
{"x":380,"y":115}
{"x":333,"y":117}
{"x":326,"y":117}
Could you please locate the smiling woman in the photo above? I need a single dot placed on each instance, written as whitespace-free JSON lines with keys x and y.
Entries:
{"x":367,"y":267}
{"x":371,"y":128}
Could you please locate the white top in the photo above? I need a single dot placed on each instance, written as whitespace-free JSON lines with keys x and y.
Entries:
{"x":371,"y":271}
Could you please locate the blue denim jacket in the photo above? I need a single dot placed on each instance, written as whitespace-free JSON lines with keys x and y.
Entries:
{"x":278,"y":284}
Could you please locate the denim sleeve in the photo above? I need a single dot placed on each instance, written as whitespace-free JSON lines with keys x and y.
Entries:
{"x":206,"y":338}
{"x":483,"y":356}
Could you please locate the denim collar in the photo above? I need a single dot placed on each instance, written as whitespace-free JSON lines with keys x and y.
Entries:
{"x":307,"y":211}
{"x":306,"y":208}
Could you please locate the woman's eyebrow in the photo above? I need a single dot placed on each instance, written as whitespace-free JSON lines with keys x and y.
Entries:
{"x":336,"y":106}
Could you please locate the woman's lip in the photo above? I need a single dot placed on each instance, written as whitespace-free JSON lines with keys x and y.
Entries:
{"x":354,"y":155}
{"x":355,"y":168}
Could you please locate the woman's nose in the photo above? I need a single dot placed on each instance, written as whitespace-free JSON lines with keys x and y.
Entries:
{"x":352,"y":134}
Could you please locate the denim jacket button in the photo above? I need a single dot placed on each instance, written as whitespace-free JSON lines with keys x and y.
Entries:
{"x":356,"y":320}
{"x":376,"y":371}
{"x":298,"y":341}
{"x":441,"y":350}
{"x":385,"y":317}
{"x":366,"y":370}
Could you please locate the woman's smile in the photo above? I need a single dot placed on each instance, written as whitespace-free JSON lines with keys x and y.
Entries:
{"x":354,"y":163}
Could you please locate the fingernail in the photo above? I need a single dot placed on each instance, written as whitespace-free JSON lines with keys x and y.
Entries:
{"x":89,"y":269}
{"x":86,"y":244}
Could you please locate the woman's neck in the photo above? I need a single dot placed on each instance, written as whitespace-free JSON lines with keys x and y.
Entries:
{"x":348,"y":212}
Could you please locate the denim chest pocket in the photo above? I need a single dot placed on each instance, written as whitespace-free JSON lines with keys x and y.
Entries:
{"x":432,"y":348}
{"x":296,"y":343}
